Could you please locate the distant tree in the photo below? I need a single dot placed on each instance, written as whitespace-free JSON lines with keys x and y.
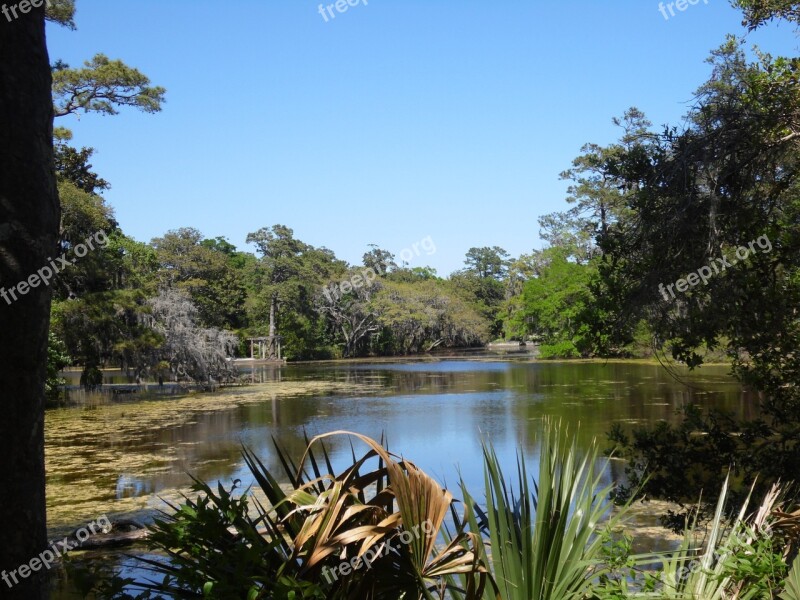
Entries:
{"x":380,"y":261}
{"x":487,"y":263}
{"x":424,"y":273}
{"x":192,"y":352}
{"x":597,"y":191}
{"x":303,"y":329}
{"x":350,"y":313}
{"x":212,"y":272}
{"x":554,"y":305}
{"x":418,"y":317}
{"x":570,"y":230}
{"x":413,"y":274}
{"x":482,"y":283}
{"x":219,"y":244}
{"x":512,"y":315}
{"x":288,"y":277}
{"x":279,"y":271}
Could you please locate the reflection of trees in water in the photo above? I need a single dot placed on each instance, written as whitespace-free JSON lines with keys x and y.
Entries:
{"x":434,"y":410}
{"x":389,"y":378}
{"x":264,"y":373}
{"x":209,"y":446}
{"x":590,"y":397}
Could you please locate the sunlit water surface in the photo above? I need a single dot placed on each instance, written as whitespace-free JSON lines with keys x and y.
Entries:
{"x":120,"y":457}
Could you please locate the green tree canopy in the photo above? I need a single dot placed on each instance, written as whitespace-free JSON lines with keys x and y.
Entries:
{"x":102,"y":86}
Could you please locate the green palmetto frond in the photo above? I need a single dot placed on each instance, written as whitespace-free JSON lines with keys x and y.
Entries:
{"x":544,"y":543}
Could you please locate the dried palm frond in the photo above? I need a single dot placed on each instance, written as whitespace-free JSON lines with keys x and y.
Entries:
{"x":396,"y":504}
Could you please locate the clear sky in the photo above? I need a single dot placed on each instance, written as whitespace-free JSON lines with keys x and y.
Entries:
{"x":391,"y":122}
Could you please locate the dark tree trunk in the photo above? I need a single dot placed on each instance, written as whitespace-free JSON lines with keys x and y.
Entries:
{"x":29,"y":216}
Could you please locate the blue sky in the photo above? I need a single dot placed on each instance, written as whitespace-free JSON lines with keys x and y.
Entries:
{"x":391,"y":122}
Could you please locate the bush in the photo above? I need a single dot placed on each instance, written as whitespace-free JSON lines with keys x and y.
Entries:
{"x":565,"y":349}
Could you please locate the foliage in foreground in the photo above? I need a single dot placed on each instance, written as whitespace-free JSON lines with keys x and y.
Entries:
{"x":555,"y":537}
{"x":543,"y":543}
{"x":743,"y":558}
{"x":382,"y":522}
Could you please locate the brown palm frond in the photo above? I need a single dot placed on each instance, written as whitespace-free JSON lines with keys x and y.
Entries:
{"x":415,"y":509}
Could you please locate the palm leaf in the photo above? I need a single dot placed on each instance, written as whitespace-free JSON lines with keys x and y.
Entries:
{"x":543,"y":542}
{"x":792,"y":591}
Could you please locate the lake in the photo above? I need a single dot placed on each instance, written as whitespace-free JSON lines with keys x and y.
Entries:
{"x":120,"y":457}
{"x":123,"y":457}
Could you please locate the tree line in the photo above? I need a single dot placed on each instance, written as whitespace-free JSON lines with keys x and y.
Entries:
{"x":659,"y":206}
{"x":655,"y":206}
{"x":176,"y":306}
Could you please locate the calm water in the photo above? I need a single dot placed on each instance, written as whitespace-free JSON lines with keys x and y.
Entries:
{"x":119,"y":457}
{"x":113,"y":457}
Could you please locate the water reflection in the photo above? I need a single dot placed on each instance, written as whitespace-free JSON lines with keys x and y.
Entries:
{"x":120,"y":455}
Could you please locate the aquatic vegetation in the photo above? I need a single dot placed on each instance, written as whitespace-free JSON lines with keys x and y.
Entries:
{"x":124,"y":438}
